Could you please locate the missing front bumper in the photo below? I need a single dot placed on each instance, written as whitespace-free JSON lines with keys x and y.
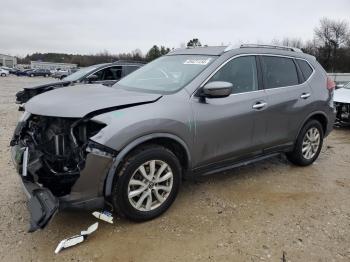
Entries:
{"x":85,"y":193}
{"x":42,"y":205}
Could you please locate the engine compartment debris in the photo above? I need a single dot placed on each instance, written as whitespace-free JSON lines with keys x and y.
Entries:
{"x":77,"y":239}
{"x":105,"y":216}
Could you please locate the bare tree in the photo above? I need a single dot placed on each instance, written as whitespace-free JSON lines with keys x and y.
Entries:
{"x":310,"y":47}
{"x":332,"y":35}
{"x":287,"y":41}
{"x":292,"y":42}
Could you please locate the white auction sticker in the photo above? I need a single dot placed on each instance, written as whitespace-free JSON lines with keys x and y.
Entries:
{"x":197,"y":61}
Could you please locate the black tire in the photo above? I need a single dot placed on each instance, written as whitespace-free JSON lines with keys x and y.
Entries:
{"x":133,"y":161}
{"x":3,"y":75}
{"x":296,"y":156}
{"x":31,"y":75}
{"x":46,"y":75}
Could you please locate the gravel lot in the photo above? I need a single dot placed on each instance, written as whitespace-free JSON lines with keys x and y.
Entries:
{"x":255,"y":213}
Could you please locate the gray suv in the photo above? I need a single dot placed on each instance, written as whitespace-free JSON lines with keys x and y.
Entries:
{"x":192,"y":112}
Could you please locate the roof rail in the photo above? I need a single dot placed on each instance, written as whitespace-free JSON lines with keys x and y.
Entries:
{"x":280,"y":47}
{"x":130,"y":61}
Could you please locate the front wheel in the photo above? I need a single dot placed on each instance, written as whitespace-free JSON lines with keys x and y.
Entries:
{"x":3,"y":75}
{"x":147,"y":184}
{"x":308,"y":145}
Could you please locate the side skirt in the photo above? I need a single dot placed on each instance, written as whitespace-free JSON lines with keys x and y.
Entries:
{"x":218,"y":169}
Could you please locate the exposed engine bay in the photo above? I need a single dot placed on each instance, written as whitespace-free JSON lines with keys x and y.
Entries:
{"x":57,"y":149}
{"x":343,"y":113}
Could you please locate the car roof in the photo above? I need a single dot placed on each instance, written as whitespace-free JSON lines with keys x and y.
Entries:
{"x":205,"y":50}
{"x":243,"y":49}
{"x":127,"y":62}
{"x":121,"y":63}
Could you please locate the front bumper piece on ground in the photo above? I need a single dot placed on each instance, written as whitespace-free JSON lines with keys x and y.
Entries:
{"x":42,"y":204}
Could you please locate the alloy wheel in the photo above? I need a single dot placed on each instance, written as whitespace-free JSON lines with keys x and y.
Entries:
{"x":311,"y":143}
{"x":150,"y":185}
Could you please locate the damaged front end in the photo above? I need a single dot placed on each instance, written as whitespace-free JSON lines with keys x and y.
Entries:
{"x":59,"y":165}
{"x":342,"y":114}
{"x":27,"y":93}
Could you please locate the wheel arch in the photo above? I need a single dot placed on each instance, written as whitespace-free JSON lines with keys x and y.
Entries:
{"x":319,"y":116}
{"x":170,"y":141}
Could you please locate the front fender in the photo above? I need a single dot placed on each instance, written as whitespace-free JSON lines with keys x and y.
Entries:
{"x":112,"y":171}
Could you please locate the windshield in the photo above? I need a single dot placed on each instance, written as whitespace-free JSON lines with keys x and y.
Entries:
{"x":347,"y":85}
{"x":166,"y":74}
{"x":79,"y":74}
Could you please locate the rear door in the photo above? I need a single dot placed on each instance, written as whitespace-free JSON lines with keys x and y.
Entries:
{"x":288,"y":96}
{"x":229,"y":127}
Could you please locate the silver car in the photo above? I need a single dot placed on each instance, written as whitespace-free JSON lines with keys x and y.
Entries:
{"x":194,"y":111}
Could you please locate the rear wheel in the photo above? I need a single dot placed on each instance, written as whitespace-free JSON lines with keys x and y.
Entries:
{"x":31,"y":75}
{"x":3,"y":74}
{"x":308,"y":145}
{"x":46,"y":75}
{"x":147,"y":183}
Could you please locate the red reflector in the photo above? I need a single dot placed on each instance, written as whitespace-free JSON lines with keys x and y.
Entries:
{"x":330,"y":84}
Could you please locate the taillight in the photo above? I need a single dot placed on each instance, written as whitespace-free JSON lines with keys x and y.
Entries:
{"x":330,"y":83}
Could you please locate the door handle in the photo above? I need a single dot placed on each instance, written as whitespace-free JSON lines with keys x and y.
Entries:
{"x":305,"y":95}
{"x":259,"y":105}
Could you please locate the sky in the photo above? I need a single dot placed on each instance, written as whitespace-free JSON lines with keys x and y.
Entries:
{"x":89,"y":27}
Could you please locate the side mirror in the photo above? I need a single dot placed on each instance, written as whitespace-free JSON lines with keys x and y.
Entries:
{"x":217,"y":89}
{"x":92,"y":78}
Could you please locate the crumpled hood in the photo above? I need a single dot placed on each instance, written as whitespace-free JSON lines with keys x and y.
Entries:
{"x":342,"y":95}
{"x":28,"y":92}
{"x":78,"y":101}
{"x":54,"y":84}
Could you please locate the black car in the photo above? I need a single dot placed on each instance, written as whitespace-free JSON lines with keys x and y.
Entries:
{"x":22,"y":72}
{"x":39,"y":72}
{"x":106,"y":74}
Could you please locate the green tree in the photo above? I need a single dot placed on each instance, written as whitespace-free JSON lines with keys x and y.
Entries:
{"x":194,"y":43}
{"x":164,"y":50}
{"x":153,"y":53}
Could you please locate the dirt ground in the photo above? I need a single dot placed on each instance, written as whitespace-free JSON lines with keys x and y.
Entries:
{"x":260,"y":212}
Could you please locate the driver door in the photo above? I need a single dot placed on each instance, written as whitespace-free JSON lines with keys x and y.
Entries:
{"x":231,"y":127}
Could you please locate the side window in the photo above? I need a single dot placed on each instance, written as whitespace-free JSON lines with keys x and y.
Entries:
{"x":109,"y":73}
{"x":241,"y":72}
{"x":129,"y":69}
{"x":114,"y":73}
{"x":279,"y":71}
{"x":305,"y":68}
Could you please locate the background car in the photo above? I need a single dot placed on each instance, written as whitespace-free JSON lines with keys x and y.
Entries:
{"x":4,"y":72}
{"x":9,"y":69}
{"x":105,"y":74}
{"x":22,"y":72}
{"x":342,"y":105}
{"x":60,"y":74}
{"x":39,"y":72}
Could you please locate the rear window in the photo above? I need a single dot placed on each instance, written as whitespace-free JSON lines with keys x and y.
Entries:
{"x":279,"y":72}
{"x":305,"y":68}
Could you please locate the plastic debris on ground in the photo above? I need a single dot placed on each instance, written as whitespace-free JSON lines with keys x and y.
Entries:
{"x":105,"y":216}
{"x":74,"y":240}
